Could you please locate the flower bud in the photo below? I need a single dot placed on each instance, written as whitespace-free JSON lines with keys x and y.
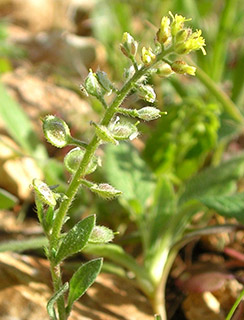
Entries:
{"x":123,"y":130}
{"x":146,"y":92}
{"x":56,"y":131}
{"x":129,"y":45}
{"x":164,"y":35}
{"x":105,"y":191}
{"x":177,"y":23}
{"x":194,"y":42}
{"x":148,"y":113}
{"x":181,"y":67}
{"x":104,"y":134}
{"x":92,"y":85}
{"x":104,"y":81}
{"x":73,"y":158}
{"x":44,"y":193}
{"x":182,"y":35}
{"x":164,"y":70}
{"x":147,"y":56}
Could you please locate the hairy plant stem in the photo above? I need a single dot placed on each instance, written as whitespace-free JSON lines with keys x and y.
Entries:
{"x":81,"y":171}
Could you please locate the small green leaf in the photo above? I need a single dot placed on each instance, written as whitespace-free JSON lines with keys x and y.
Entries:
{"x":101,"y":234}
{"x":7,"y":200}
{"x":76,"y":238}
{"x":51,"y":302}
{"x":157,"y":317}
{"x":82,"y":279}
{"x":230,"y":206}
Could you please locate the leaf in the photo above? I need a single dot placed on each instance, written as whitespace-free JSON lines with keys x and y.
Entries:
{"x":7,"y":200}
{"x":82,"y":279}
{"x":76,"y":238}
{"x":129,"y":173}
{"x":101,"y":234}
{"x":230,"y":206}
{"x":215,"y":180}
{"x":19,"y":126}
{"x":51,"y":302}
{"x":163,"y":209}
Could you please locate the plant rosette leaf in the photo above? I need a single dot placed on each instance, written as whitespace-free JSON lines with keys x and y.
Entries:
{"x":76,"y":239}
{"x":82,"y":279}
{"x":73,"y":158}
{"x":230,"y":206}
{"x":101,"y":234}
{"x":52,"y":301}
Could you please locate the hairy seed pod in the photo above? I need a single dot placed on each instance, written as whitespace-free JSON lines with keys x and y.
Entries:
{"x":56,"y":131}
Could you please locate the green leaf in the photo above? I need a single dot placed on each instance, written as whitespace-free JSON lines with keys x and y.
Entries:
{"x":215,"y":180}
{"x":76,"y":238}
{"x":231,"y":206}
{"x":101,"y":234}
{"x":129,"y":173}
{"x":163,"y":209}
{"x":7,"y":200}
{"x":19,"y":126}
{"x":53,"y":300}
{"x":82,"y":279}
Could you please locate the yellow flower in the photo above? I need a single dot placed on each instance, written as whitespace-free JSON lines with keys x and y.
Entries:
{"x":147,"y":56}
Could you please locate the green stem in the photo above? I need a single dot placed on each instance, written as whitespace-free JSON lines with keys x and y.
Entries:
{"x":222,"y":38}
{"x":57,"y":284}
{"x":81,"y":171}
{"x":91,"y":148}
{"x":235,"y":305}
{"x":220,"y":95}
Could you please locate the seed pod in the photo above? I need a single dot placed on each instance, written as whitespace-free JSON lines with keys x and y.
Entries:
{"x":101,"y":234}
{"x":56,"y":131}
{"x":148,"y":113}
{"x":124,"y":130}
{"x":146,"y":92}
{"x":73,"y":158}
{"x":44,"y":193}
{"x":105,"y":191}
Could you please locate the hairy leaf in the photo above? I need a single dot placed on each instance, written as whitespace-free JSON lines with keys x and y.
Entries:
{"x":215,"y":180}
{"x":82,"y":279}
{"x":53,"y":300}
{"x":76,"y":238}
{"x":231,"y":206}
{"x":129,"y":173}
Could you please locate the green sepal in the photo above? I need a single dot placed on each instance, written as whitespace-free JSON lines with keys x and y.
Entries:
{"x":82,"y":279}
{"x":73,"y":158}
{"x":50,"y":305}
{"x":76,"y":239}
{"x":101,"y":234}
{"x":104,"y":134}
{"x":104,"y":81}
